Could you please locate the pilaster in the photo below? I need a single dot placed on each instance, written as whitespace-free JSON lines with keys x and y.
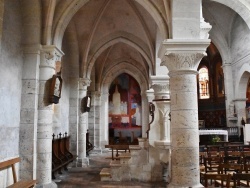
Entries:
{"x":229,"y":93}
{"x":29,"y":112}
{"x":49,"y":55}
{"x":83,"y":122}
{"x":104,"y":115}
{"x":144,"y":117}
{"x":74,"y":108}
{"x":182,"y":58}
{"x":160,"y":84}
{"x":97,"y":115}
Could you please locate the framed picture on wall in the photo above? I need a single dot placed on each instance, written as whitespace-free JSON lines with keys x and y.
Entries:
{"x":55,"y":89}
{"x":86,"y":104}
{"x":201,"y":123}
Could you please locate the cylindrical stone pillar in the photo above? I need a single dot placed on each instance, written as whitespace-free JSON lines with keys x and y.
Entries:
{"x":49,"y":55}
{"x":184,"y":129}
{"x":182,"y":59}
{"x":83,"y":119}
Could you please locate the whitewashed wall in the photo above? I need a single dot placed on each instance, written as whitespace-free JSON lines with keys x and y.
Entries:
{"x":10,"y":84}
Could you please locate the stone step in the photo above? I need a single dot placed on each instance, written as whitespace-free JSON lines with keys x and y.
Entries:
{"x":134,"y":147}
{"x":124,"y":158}
{"x":105,"y":174}
{"x":115,"y":164}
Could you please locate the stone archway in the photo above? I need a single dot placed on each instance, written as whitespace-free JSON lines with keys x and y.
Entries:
{"x":108,"y":77}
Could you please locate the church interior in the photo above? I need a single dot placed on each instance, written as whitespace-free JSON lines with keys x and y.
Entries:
{"x":156,"y":88}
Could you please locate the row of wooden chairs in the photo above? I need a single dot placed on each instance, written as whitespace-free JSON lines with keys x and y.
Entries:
{"x":225,"y":147}
{"x":228,"y":156}
{"x":223,"y":173}
{"x":227,"y":180}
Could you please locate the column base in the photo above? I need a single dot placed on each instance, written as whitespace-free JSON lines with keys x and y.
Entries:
{"x":178,"y":186}
{"x":49,"y":185}
{"x":82,"y":162}
{"x":161,"y":144}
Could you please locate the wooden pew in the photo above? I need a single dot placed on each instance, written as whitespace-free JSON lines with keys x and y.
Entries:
{"x":117,"y":147}
{"x":61,"y":156}
{"x":20,"y":183}
{"x":89,"y":146}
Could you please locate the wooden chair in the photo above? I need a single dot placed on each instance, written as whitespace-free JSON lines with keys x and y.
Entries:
{"x":122,"y":140}
{"x":233,"y":157}
{"x":229,"y":168}
{"x":242,"y":180}
{"x":223,"y":178}
{"x":20,"y":183}
{"x":212,"y":164}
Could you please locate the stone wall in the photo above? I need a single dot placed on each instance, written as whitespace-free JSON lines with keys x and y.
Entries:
{"x":240,"y":40}
{"x":10,"y":84}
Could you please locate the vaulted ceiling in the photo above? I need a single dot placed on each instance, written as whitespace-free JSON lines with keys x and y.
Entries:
{"x":102,"y":34}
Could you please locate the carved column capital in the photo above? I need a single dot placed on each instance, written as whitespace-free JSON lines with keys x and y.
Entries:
{"x":161,"y":91}
{"x":84,"y":83}
{"x":51,"y":54}
{"x":160,"y":84}
{"x":97,"y":95}
{"x":182,"y":61}
{"x":177,"y":54}
{"x":150,"y":95}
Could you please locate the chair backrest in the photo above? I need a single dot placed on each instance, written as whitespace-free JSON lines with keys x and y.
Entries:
{"x":241,"y":179}
{"x":212,"y":164}
{"x":225,"y":168}
{"x":224,"y":179}
{"x":233,"y":157}
{"x":11,"y":162}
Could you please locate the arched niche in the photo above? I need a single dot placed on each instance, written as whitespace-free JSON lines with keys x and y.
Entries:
{"x":212,"y":109}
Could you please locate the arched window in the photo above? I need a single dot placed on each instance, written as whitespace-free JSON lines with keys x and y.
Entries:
{"x":203,"y":83}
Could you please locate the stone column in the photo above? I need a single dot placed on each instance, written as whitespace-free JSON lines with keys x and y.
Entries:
{"x":144,"y":116}
{"x":28,"y":115}
{"x":182,"y":58}
{"x":73,"y":115}
{"x":104,"y":121}
{"x":83,"y":121}
{"x":160,"y":84}
{"x":97,"y":114}
{"x":49,"y":55}
{"x":229,"y":92}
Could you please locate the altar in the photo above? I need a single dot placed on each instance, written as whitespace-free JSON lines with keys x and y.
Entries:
{"x":128,"y":132}
{"x":215,"y":132}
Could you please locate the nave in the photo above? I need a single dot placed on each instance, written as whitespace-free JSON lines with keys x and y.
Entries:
{"x":89,"y":177}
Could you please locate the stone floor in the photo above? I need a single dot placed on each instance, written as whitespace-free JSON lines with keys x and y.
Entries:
{"x":89,"y":176}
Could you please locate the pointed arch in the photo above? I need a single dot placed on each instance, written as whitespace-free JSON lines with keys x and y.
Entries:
{"x":114,"y":71}
{"x":241,"y":81}
{"x":75,"y":5}
{"x":112,"y":39}
{"x":239,"y":7}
